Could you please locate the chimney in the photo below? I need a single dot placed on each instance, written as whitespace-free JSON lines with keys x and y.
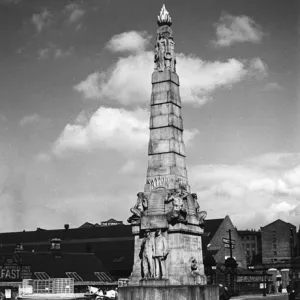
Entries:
{"x":67,"y":226}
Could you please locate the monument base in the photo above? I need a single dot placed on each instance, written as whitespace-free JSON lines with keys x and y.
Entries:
{"x":169,"y":292}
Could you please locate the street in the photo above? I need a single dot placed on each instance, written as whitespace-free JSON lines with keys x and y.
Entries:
{"x":260,"y":297}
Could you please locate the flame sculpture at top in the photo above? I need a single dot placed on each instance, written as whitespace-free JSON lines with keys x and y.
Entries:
{"x":164,"y":17}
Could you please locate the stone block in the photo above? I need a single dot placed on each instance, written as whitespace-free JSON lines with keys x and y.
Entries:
{"x":165,"y":96}
{"x":165,"y":87}
{"x":166,"y":133}
{"x":154,"y":221}
{"x":165,"y":146}
{"x":166,"y":75}
{"x":165,"y":120}
{"x":164,"y":109}
{"x":168,"y":292}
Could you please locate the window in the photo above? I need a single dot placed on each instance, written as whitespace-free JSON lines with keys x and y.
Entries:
{"x":274,"y":246}
{"x":41,"y":275}
{"x":247,"y":237}
{"x":273,"y":232}
{"x":247,"y":245}
{"x":274,"y":240}
{"x":74,"y":275}
{"x":275,"y":253}
{"x":103,"y":276}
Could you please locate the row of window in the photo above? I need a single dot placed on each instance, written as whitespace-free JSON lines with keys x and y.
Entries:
{"x":248,"y":238}
{"x":102,"y":276}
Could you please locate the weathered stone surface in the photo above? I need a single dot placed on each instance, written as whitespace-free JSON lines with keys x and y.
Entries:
{"x":154,"y":222}
{"x":166,"y":133}
{"x":159,"y":292}
{"x":166,"y":120}
{"x":165,"y":97}
{"x":167,"y":75}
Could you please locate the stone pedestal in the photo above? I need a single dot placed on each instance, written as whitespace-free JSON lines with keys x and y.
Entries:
{"x":169,"y":292}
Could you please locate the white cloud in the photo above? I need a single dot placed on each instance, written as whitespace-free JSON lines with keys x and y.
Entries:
{"x":29,"y":119}
{"x":75,"y":12}
{"x":131,"y":41}
{"x":272,"y":86}
{"x":128,"y":80}
{"x":43,"y":157}
{"x":258,"y":68}
{"x":54,"y":52}
{"x":41,"y":20}
{"x":237,"y":29}
{"x":108,"y":128}
{"x":271,"y":188}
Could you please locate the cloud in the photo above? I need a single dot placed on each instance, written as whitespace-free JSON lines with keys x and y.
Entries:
{"x":43,"y":157}
{"x":131,"y":41}
{"x":109,"y":128}
{"x":75,"y":12}
{"x":29,"y":119}
{"x":127,"y":81}
{"x":237,"y":29}
{"x":271,"y":187}
{"x":272,"y":86}
{"x":41,"y":20}
{"x":54,"y":52}
{"x":9,"y":1}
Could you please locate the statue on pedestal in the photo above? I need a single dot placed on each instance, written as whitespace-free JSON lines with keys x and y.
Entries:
{"x":137,"y":211}
{"x":201,"y":215}
{"x":160,"y":254}
{"x":178,"y":212}
{"x":147,"y":253}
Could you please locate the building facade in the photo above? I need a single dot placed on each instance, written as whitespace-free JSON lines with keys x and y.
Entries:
{"x":251,"y":241}
{"x":279,"y":242}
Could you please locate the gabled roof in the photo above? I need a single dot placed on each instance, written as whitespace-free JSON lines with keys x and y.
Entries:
{"x":279,"y":221}
{"x":211,"y":226}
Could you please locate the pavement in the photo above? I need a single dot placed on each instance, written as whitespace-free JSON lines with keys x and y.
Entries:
{"x":260,"y":297}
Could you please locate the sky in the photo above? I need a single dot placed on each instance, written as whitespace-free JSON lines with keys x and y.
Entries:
{"x":75,"y":86}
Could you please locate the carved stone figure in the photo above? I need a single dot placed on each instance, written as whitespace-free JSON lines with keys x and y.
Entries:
{"x":178,"y":212}
{"x":137,"y":211}
{"x":194,"y":266}
{"x":164,"y":53}
{"x":201,"y":215}
{"x":160,"y":254}
{"x":147,"y":253}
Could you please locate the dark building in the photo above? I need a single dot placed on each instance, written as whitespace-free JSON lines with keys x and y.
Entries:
{"x":82,"y":268}
{"x":112,"y":245}
{"x":251,"y":241}
{"x":279,"y":242}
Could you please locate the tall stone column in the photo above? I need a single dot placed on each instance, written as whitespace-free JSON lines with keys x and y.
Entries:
{"x":166,"y":219}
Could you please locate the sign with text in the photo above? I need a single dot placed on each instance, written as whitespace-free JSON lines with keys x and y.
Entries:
{"x":14,"y":272}
{"x":227,"y":241}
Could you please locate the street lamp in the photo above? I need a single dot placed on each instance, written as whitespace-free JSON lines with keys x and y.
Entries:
{"x":264,"y":272}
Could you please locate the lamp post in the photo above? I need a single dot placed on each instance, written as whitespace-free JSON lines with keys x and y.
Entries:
{"x":264,"y":271}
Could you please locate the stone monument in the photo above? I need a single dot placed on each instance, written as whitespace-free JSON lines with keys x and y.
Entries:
{"x":167,"y":222}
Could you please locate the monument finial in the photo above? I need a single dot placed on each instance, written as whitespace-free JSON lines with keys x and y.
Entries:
{"x":164,"y":17}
